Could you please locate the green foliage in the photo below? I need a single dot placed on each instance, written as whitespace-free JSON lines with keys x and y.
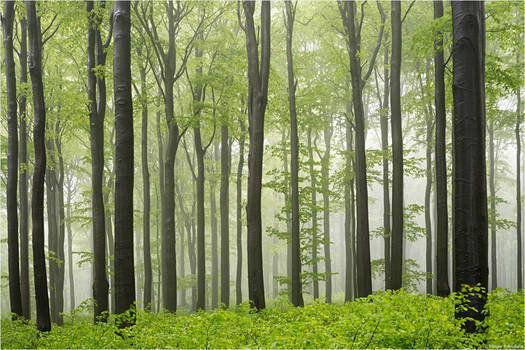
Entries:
{"x":383,"y":320}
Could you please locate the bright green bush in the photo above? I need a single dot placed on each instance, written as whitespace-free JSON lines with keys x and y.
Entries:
{"x":383,"y":320}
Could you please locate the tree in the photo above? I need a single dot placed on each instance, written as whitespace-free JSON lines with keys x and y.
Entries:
{"x":492,"y":211}
{"x":518,"y":185}
{"x":97,"y":110}
{"x":258,"y":73}
{"x":24,"y":215}
{"x":470,"y":196}
{"x":238,"y":280}
{"x":353,"y":31}
{"x":15,"y":295}
{"x":397,"y":149}
{"x":124,"y":261}
{"x":441,"y":165}
{"x":43,"y":321}
{"x":297,"y":288}
{"x":315,"y":281}
{"x":225,"y":213}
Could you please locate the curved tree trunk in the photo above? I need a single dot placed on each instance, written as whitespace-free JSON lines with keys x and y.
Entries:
{"x":43,"y":321}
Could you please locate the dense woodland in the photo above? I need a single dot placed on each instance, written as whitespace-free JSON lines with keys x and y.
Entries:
{"x":177,"y":156}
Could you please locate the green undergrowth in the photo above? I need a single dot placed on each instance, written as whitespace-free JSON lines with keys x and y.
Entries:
{"x":383,"y":320}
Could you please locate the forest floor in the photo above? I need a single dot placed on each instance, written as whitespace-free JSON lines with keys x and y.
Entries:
{"x":383,"y":320}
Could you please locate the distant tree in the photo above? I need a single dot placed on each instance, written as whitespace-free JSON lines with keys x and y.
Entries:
{"x":240,"y":166}
{"x":470,"y":196}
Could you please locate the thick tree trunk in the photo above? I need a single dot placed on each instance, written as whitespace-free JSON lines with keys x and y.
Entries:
{"x":397,"y":149}
{"x":470,"y":196}
{"x":124,"y":261}
{"x":225,"y":216}
{"x":441,"y":164}
{"x":96,"y":124}
{"x":297,"y":286}
{"x":238,"y":282}
{"x":315,"y":281}
{"x":43,"y":321}
{"x":148,"y":272}
{"x":325,"y":170}
{"x":492,"y":212}
{"x":258,"y":73}
{"x":24,"y":205}
{"x":15,"y":296}
{"x":519,"y":231}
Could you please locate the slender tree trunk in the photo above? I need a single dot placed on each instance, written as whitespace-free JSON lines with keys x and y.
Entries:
{"x":297,"y":287}
{"x":182,"y":269}
{"x":60,"y":229}
{"x":238,"y":283}
{"x":386,"y":185}
{"x":213,"y":220}
{"x":148,"y":272}
{"x":15,"y":295}
{"x":100,"y":286}
{"x":441,"y":164}
{"x":43,"y":322}
{"x":124,"y":261}
{"x":24,"y":215}
{"x":225,"y":216}
{"x":287,"y":203}
{"x":492,"y":213}
{"x":157,"y":225}
{"x":325,"y":169}
{"x":70,"y":250}
{"x":519,"y":268}
{"x":470,"y":197}
{"x":397,"y":149}
{"x":258,"y":73}
{"x":51,"y":223}
{"x":315,"y":280}
{"x":428,"y":190}
{"x":349,"y":264}
{"x":201,"y":257}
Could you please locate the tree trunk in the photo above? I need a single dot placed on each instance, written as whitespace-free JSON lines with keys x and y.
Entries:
{"x":428,"y":190}
{"x":287,"y":203}
{"x":258,"y":73}
{"x":470,"y":197}
{"x":15,"y":295}
{"x":325,"y":169}
{"x":225,"y":215}
{"x":213,"y":220}
{"x":492,"y":212}
{"x":297,"y":286}
{"x":349,"y":224}
{"x":441,"y":164}
{"x":397,"y":149}
{"x":519,"y":267}
{"x":43,"y":322}
{"x":96,"y":124}
{"x":70,"y":249}
{"x":315,"y":280}
{"x":61,"y":228}
{"x":148,"y":272}
{"x":238,"y":283}
{"x":386,"y":186}
{"x":124,"y":261}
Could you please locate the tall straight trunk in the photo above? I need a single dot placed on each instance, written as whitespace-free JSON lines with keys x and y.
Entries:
{"x":70,"y":250}
{"x":52,"y":226}
{"x":162,"y":203}
{"x":443,"y":288}
{"x":349,"y":225}
{"x":297,"y":286}
{"x":124,"y":258}
{"x":315,"y":280}
{"x":428,"y":190}
{"x":43,"y":321}
{"x":238,"y":282}
{"x":201,"y":257}
{"x":182,"y":269}
{"x":325,"y":169}
{"x":275,"y":273}
{"x":148,"y":272}
{"x":61,"y":227}
{"x":109,"y":235}
{"x":213,"y":222}
{"x":287,"y":197}
{"x":22,"y":161}
{"x":519,"y":260}
{"x":258,"y":74}
{"x":348,"y":13}
{"x":397,"y":149}
{"x":470,"y":196}
{"x":96,"y":124}
{"x":492,"y":213}
{"x":225,"y":215}
{"x":386,"y":184}
{"x":15,"y":296}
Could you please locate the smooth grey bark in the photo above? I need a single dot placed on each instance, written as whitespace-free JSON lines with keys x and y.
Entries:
{"x":124,"y":161}
{"x":315,"y":281}
{"x":519,"y":231}
{"x":325,"y":179}
{"x":15,"y":296}
{"x":69,"y":196}
{"x":348,"y":14}
{"x":441,"y":163}
{"x":349,"y":220}
{"x":225,"y":215}
{"x":470,"y":196}
{"x":60,"y":225}
{"x":492,"y":212}
{"x":43,"y":321}
{"x":238,"y":282}
{"x":258,"y":74}
{"x":397,"y":149}
{"x":213,"y":221}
